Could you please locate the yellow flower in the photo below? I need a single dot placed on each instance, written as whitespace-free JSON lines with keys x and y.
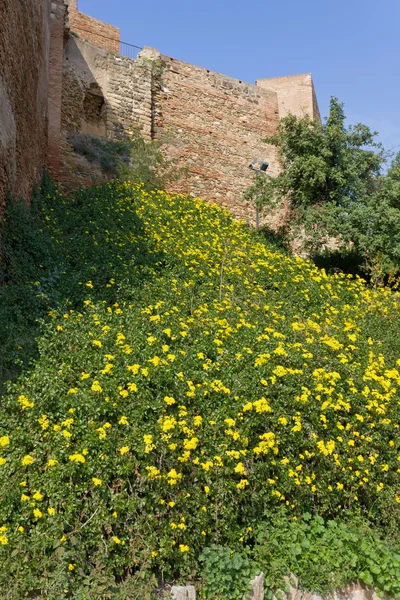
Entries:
{"x":123,"y":421}
{"x":38,"y":513}
{"x":51,"y":462}
{"x":169,"y":400}
{"x":124,"y":450}
{"x":184,"y":548}
{"x":3,"y":540}
{"x":4,"y":441}
{"x":25,"y":402}
{"x":27,"y":460}
{"x":21,"y":529}
{"x":190,"y":444}
{"x":242,"y":484}
{"x":37,"y":496}
{"x":97,"y":481}
{"x":79,"y":458}
{"x":116,"y":540}
{"x":71,"y":567}
{"x":240,"y":469}
{"x":96,"y":387}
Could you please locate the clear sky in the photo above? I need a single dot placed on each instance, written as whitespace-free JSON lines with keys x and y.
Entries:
{"x":351,"y":47}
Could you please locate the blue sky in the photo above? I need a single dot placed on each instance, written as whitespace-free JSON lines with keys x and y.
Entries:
{"x":351,"y":47}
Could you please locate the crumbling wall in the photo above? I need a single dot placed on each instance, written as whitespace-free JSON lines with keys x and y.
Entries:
{"x":24,"y":60}
{"x":104,"y":94}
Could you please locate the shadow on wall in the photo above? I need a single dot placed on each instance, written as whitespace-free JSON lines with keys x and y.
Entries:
{"x":103,"y":95}
{"x":84,"y":111}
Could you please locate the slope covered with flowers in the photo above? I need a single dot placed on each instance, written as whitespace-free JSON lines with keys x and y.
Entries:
{"x":226,"y":381}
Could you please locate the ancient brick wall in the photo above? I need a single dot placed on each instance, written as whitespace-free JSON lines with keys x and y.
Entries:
{"x":215,"y":126}
{"x":24,"y":57}
{"x":103,"y":94}
{"x":58,"y":38}
{"x":212,"y":125}
{"x":296,"y":95}
{"x":92,"y":30}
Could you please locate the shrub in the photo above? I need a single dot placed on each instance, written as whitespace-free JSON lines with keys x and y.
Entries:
{"x":129,"y":158}
{"x":217,"y":381}
{"x":226,"y":574}
{"x":325,"y":554}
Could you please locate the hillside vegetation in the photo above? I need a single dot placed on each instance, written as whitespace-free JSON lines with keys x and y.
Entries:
{"x":192,"y":385}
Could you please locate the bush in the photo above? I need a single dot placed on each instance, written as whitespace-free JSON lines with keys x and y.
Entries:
{"x":226,"y":574}
{"x":325,"y":554}
{"x":191,"y":394}
{"x":129,"y":158}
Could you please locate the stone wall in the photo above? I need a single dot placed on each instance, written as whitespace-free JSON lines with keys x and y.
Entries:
{"x":354,"y":591}
{"x":210,"y":124}
{"x":214,"y":126}
{"x":24,"y":58}
{"x":103,"y":94}
{"x":92,"y":30}
{"x":296,"y":95}
{"x":58,"y":36}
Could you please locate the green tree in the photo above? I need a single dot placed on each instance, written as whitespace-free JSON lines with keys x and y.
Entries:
{"x":328,"y":171}
{"x":374,"y":226}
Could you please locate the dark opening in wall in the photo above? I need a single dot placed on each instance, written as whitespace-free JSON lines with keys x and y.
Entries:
{"x":94,"y":104}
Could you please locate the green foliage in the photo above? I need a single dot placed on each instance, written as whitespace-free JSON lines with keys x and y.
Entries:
{"x":331,"y":179}
{"x":190,"y":382}
{"x":51,"y":250}
{"x":130,"y":158}
{"x":326,"y":554}
{"x":321,"y":163}
{"x":225,"y":573}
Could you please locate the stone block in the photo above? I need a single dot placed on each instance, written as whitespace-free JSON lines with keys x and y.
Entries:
{"x":257,"y":587}
{"x":185,"y":592}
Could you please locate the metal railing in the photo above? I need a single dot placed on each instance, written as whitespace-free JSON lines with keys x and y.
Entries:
{"x":129,"y":50}
{"x":125,"y":49}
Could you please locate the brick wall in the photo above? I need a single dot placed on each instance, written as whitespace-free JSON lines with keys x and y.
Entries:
{"x":92,"y":30}
{"x":24,"y":55}
{"x":215,"y":126}
{"x":57,"y":42}
{"x":212,"y":125}
{"x":296,"y":95}
{"x":103,"y":94}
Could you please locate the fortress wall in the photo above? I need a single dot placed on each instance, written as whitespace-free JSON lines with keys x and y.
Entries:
{"x":24,"y":57}
{"x":296,"y":95}
{"x":103,"y":94}
{"x":58,"y":34}
{"x":214,"y":127}
{"x":92,"y":30}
